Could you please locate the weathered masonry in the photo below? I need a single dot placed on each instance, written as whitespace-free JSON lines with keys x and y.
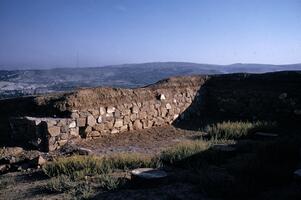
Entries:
{"x":97,"y":112}
{"x":48,"y":122}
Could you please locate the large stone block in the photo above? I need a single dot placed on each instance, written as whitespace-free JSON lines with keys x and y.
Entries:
{"x":126,"y":119}
{"x":98,"y":127}
{"x":81,"y":122}
{"x":118,"y":123}
{"x":54,"y":130}
{"x":108,"y":125}
{"x":91,"y":121}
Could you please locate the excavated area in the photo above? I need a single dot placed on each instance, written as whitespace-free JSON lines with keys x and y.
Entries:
{"x":147,"y":141}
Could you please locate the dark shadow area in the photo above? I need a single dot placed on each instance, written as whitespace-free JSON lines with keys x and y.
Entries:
{"x":246,"y":97}
{"x":255,"y":170}
{"x":33,"y":106}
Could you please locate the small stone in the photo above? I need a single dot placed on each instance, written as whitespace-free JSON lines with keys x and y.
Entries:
{"x":282,"y":96}
{"x":133,"y":117}
{"x":168,"y":106}
{"x":54,"y":131}
{"x":118,"y":123}
{"x":135,"y":109}
{"x":72,"y":124}
{"x":74,"y":131}
{"x":102,"y":111}
{"x":86,"y":131}
{"x":111,"y":109}
{"x":83,"y":151}
{"x":38,"y":161}
{"x":91,"y":121}
{"x":4,"y":169}
{"x":99,"y":119}
{"x":124,"y":128}
{"x":145,"y":175}
{"x":117,"y":114}
{"x":163,"y":112}
{"x":137,"y":125}
{"x":94,"y":134}
{"x":175,"y":117}
{"x":114,"y":131}
{"x":142,"y":115}
{"x":74,"y":115}
{"x":162,"y":97}
{"x":94,"y":112}
{"x":62,"y":142}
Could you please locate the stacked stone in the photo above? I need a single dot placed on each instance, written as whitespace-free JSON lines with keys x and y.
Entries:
{"x":46,"y":134}
{"x":49,"y":134}
{"x":166,"y":108}
{"x":59,"y":132}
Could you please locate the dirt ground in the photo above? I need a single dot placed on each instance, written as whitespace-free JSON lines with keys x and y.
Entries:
{"x":147,"y":141}
{"x":28,"y":185}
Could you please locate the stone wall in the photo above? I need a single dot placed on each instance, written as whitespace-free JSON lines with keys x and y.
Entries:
{"x":103,"y":111}
{"x":91,"y":113}
{"x":46,"y":134}
{"x":113,"y":119}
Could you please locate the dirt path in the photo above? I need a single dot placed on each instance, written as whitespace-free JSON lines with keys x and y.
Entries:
{"x":149,"y":141}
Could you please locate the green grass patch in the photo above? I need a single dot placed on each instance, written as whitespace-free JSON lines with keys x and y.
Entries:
{"x":237,"y":130}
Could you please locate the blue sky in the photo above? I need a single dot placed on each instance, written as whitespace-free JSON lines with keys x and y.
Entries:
{"x":69,"y":33}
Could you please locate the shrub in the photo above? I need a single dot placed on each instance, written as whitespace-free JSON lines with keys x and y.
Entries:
{"x":76,"y":166}
{"x":183,"y":150}
{"x":236,"y":130}
{"x":59,"y":184}
{"x":126,"y":161}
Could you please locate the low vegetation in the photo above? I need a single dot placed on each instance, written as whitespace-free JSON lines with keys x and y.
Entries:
{"x":79,"y":176}
{"x":237,"y":130}
{"x":237,"y":174}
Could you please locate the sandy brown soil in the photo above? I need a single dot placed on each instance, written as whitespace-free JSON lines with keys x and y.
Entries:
{"x":149,"y":141}
{"x":28,"y":185}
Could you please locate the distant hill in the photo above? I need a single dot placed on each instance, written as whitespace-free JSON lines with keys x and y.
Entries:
{"x":28,"y":82}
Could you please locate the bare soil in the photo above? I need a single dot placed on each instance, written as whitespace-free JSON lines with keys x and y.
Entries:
{"x":29,"y":185}
{"x":146,"y":141}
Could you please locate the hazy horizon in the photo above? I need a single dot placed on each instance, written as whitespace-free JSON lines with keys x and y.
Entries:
{"x":93,"y":33}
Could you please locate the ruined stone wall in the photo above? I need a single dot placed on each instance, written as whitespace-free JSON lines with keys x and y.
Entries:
{"x":92,"y":113}
{"x":103,"y":111}
{"x":46,"y":134}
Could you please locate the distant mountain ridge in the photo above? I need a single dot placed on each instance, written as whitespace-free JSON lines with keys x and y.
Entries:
{"x":37,"y":81}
